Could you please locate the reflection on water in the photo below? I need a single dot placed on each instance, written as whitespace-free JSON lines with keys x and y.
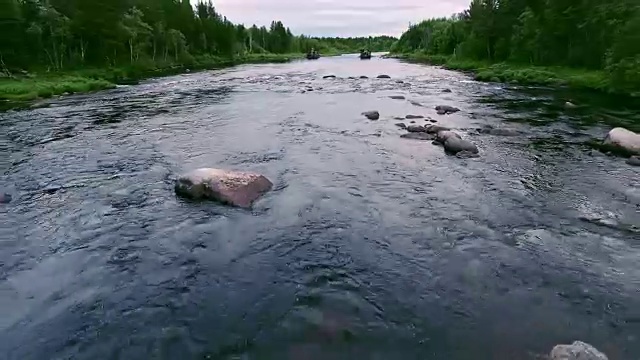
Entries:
{"x":370,"y":246}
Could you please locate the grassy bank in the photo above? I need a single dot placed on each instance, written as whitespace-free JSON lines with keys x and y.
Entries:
{"x":518,"y":73}
{"x":40,"y":85}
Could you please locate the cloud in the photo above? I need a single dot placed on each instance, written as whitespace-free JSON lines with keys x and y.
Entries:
{"x":338,"y":17}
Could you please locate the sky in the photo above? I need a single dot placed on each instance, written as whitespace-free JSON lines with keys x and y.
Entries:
{"x":338,"y":17}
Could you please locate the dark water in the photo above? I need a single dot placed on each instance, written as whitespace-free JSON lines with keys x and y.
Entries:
{"x":369,"y":247}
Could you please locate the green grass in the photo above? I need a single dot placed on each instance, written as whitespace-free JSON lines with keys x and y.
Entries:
{"x":519,"y":73}
{"x":34,"y":88}
{"x":39,"y":85}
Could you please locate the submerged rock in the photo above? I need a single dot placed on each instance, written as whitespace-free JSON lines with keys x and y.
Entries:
{"x":576,"y":351}
{"x":410,"y":117}
{"x":383,"y":76}
{"x":401,"y":125}
{"x":397,"y":97}
{"x":446,"y":109}
{"x":418,"y":136}
{"x":624,"y":139}
{"x":498,"y":132}
{"x":371,"y":115}
{"x":634,"y":161}
{"x":415,"y":128}
{"x":415,"y":103}
{"x":5,"y":198}
{"x":225,"y":186}
{"x":399,"y":82}
{"x":398,"y":118}
{"x":454,"y":145}
{"x":467,"y":155}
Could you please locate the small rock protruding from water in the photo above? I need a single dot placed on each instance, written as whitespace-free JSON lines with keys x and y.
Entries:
{"x":433,"y":121}
{"x":418,"y":136}
{"x":446,"y":109}
{"x":624,"y":139}
{"x":371,"y":115}
{"x":412,"y":122}
{"x":577,"y":351}
{"x":363,"y":77}
{"x":398,"y":118}
{"x":5,"y":198}
{"x":415,"y":103}
{"x":397,"y":97}
{"x":399,"y":82}
{"x":434,"y":129}
{"x":329,"y":77}
{"x":384,"y":76}
{"x":401,"y":125}
{"x":454,"y":144}
{"x":446,"y":90}
{"x":570,"y":105}
{"x":225,"y":186}
{"x":634,"y":161}
{"x":411,"y":117}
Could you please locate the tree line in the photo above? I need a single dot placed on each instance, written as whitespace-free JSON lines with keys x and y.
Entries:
{"x":590,"y":34}
{"x":63,"y":34}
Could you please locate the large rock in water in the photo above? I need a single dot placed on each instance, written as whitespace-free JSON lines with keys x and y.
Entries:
{"x":625,"y":139}
{"x":576,"y":351}
{"x":225,"y":186}
{"x":446,"y":134}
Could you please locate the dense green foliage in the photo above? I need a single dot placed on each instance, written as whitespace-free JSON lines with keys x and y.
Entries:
{"x":351,"y":45}
{"x":63,"y":34}
{"x":588,"y":34}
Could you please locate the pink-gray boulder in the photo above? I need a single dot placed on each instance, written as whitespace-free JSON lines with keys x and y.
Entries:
{"x":228,"y":187}
{"x":625,"y":139}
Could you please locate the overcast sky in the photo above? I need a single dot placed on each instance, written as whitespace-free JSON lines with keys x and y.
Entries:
{"x":338,"y":17}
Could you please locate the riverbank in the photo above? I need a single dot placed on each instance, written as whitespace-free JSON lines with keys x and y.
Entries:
{"x":520,"y":74}
{"x":27,"y":87}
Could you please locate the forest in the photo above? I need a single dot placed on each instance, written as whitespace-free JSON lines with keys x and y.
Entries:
{"x":55,"y":35}
{"x":600,"y":38}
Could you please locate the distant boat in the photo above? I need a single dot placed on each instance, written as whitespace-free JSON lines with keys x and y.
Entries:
{"x":313,"y":56}
{"x":365,"y":55}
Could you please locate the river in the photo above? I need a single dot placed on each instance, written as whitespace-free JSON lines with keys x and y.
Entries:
{"x":369,"y":246}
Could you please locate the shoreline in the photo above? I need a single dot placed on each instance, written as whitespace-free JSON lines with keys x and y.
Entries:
{"x":580,"y":79}
{"x":23,"y":90}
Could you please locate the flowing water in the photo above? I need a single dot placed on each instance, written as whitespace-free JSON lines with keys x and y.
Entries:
{"x":369,"y":247}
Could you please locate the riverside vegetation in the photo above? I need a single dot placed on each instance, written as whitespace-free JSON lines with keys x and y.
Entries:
{"x":583,"y":44}
{"x":50,"y":47}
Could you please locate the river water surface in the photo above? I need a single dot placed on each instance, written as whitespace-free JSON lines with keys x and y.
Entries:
{"x":369,"y":247}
